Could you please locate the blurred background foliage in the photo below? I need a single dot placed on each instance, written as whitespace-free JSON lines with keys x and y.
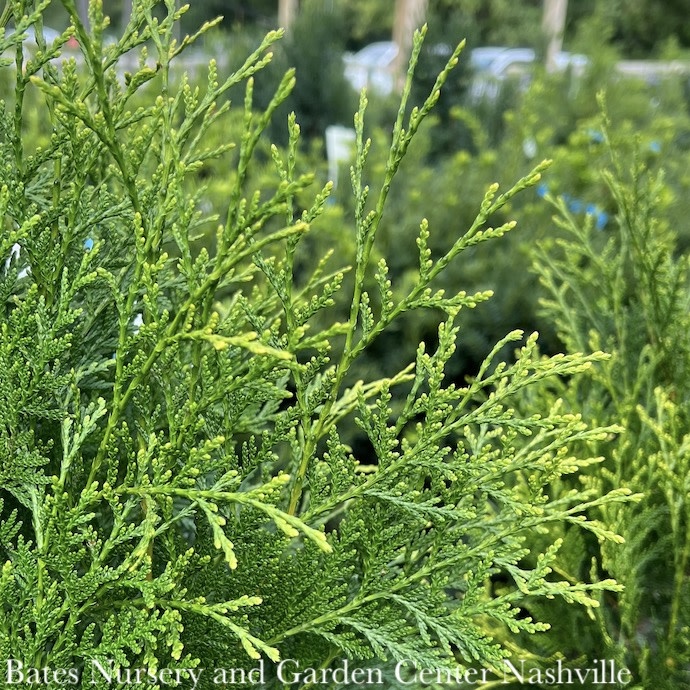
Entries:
{"x":467,"y":144}
{"x":637,"y":28}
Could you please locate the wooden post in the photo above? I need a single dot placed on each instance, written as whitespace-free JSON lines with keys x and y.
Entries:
{"x":409,"y":15}
{"x":553,"y":25}
{"x":287,"y":11}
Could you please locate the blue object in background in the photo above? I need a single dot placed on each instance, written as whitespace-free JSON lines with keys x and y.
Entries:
{"x":596,"y":137}
{"x":575,"y":205}
{"x":88,"y":244}
{"x":601,"y":218}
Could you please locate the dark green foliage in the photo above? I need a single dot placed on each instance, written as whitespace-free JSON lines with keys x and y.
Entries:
{"x":234,"y":12}
{"x":450,"y":132}
{"x":177,"y":489}
{"x":365,"y":21}
{"x":641,"y":27}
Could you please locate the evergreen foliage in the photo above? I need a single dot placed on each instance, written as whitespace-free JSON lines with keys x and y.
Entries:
{"x":626,"y":290}
{"x":176,"y":490}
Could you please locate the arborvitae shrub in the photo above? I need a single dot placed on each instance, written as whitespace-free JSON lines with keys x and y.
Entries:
{"x":625,"y":289}
{"x":176,"y":494}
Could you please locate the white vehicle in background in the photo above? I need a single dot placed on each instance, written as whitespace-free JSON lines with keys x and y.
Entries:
{"x":372,"y":67}
{"x":497,"y":60}
{"x":494,"y":65}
